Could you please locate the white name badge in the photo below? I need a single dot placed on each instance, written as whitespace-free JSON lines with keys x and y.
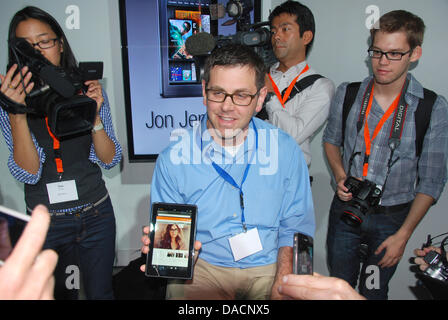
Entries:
{"x":62,"y":191}
{"x":245,"y":244}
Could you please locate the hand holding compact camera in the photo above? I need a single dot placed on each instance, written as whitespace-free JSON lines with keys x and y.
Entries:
{"x":433,"y":261}
{"x":433,"y":265}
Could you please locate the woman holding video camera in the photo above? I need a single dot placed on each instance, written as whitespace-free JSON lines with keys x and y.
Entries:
{"x":63,"y":173}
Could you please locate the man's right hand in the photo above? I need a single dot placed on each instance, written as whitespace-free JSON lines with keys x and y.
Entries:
{"x":13,"y":87}
{"x":145,"y":248}
{"x":342,"y":190}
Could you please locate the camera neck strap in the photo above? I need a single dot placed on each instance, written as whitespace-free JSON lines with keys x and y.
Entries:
{"x":398,"y":106}
{"x":285,"y":96}
{"x":56,"y":150}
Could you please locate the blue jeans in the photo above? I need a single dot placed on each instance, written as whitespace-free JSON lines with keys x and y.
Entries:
{"x":84,"y":242}
{"x":343,"y":248}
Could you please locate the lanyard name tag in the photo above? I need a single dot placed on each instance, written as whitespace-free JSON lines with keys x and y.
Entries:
{"x":245,"y":244}
{"x":62,"y":191}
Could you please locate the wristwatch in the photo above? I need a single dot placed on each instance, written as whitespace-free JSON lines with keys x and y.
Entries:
{"x":98,"y":127}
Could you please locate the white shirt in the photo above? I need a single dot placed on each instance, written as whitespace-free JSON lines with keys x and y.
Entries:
{"x":304,"y":114}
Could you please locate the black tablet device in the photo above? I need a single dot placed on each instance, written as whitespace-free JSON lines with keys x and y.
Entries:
{"x":172,"y":235}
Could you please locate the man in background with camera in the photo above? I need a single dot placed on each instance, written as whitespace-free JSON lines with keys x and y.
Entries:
{"x":392,"y":167}
{"x":298,"y":99}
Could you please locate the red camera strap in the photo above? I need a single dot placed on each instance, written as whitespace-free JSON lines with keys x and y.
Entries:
{"x":369,"y":139}
{"x":288,"y":91}
{"x":57,"y":150}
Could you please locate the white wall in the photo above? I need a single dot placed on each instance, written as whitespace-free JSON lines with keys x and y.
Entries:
{"x":339,"y":53}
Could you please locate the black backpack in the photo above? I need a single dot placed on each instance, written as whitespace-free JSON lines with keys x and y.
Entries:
{"x":422,"y":114}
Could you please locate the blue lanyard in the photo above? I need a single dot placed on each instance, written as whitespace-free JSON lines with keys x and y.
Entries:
{"x":228,"y":178}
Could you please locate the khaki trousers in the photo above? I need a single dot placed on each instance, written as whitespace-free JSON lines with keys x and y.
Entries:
{"x":212,"y":282}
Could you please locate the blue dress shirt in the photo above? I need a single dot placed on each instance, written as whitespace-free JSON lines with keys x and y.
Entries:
{"x":277,"y":194}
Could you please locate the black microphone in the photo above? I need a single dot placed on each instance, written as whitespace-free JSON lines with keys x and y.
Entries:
{"x":200,"y":44}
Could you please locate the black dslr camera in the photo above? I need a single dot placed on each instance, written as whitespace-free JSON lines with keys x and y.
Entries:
{"x":57,"y":94}
{"x":366,"y":195}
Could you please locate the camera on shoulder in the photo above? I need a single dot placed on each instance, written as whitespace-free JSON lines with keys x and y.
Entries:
{"x":366,"y":195}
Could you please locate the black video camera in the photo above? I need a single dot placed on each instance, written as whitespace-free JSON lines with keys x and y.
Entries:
{"x":57,"y":94}
{"x":256,"y":35}
{"x":366,"y":195}
{"x":253,"y":35}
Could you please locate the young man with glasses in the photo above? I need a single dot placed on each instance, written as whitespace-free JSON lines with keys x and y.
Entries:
{"x":380,"y":145}
{"x":294,"y":107}
{"x":247,"y":216}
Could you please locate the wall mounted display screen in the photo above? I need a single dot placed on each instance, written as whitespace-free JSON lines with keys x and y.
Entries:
{"x":161,"y":79}
{"x":179,"y":20}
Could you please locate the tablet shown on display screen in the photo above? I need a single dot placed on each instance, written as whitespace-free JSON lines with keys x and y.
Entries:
{"x":172,"y":235}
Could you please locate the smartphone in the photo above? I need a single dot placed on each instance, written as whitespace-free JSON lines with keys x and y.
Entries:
{"x":12,"y":224}
{"x":172,"y":235}
{"x":302,"y":262}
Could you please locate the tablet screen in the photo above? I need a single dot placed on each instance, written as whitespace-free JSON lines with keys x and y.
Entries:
{"x":172,"y":235}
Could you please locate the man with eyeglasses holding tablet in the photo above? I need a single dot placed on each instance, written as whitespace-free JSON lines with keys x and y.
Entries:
{"x":249,"y":180}
{"x":394,"y":135}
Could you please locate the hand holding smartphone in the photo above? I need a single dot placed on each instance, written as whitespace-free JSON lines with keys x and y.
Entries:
{"x":27,"y":272}
{"x":302,"y":262}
